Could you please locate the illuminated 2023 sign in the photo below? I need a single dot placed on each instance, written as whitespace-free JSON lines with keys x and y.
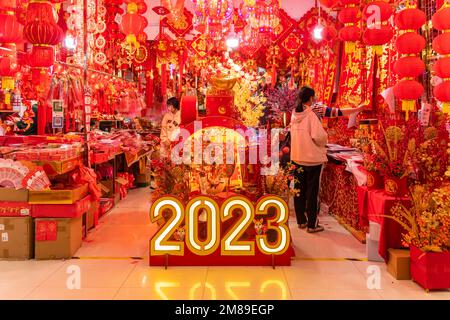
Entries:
{"x":230,"y":243}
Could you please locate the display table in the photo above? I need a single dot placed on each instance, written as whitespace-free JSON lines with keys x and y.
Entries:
{"x":339,"y":192}
{"x":373,"y":204}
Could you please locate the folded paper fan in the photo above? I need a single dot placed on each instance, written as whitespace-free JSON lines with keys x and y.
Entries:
{"x":36,"y":180}
{"x":12,"y":173}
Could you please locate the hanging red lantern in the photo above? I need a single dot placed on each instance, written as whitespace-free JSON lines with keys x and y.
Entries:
{"x":10,"y":29}
{"x":141,"y":7}
{"x":378,"y":31}
{"x":410,"y":19}
{"x":329,"y":33}
{"x":385,"y":10}
{"x":351,"y":32}
{"x":8,"y":66}
{"x":132,"y":25}
{"x":441,"y":19}
{"x":43,"y":33}
{"x":8,"y":4}
{"x":41,"y":57}
{"x":410,"y":43}
{"x":441,"y":44}
{"x":442,"y":93}
{"x":378,"y":37}
{"x":409,"y":67}
{"x":408,"y":91}
{"x":349,"y":15}
{"x":442,"y":68}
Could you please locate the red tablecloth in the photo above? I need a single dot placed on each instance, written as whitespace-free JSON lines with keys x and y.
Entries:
{"x":339,"y":192}
{"x":373,"y":204}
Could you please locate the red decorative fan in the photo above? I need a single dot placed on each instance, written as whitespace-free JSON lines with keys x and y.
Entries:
{"x":36,"y":180}
{"x":12,"y":173}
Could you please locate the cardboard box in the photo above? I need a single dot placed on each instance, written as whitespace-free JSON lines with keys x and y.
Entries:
{"x":16,"y":238}
{"x":57,"y":238}
{"x":372,"y":250}
{"x":74,"y":210}
{"x":91,"y":215}
{"x":399,"y":264}
{"x":15,"y":209}
{"x":68,"y":196}
{"x":13,"y":195}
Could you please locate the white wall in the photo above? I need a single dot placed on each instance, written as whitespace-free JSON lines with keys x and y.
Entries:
{"x":295,"y":8}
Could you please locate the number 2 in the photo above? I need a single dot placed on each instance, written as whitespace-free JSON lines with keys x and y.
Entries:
{"x":160,"y":243}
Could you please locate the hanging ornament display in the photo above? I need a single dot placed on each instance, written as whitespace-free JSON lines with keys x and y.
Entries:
{"x":350,"y":16}
{"x":441,"y":44}
{"x":263,"y":18}
{"x":376,"y":15}
{"x":213,"y":17}
{"x":409,"y":45}
{"x":132,"y":25}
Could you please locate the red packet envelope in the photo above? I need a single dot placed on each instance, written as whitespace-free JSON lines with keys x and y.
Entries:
{"x":41,"y":231}
{"x":52,"y":230}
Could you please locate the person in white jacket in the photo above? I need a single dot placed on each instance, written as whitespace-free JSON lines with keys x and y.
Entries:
{"x":308,"y":151}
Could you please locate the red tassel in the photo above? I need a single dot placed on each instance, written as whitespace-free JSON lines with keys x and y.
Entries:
{"x":42,"y":117}
{"x":164,"y":81}
{"x":274,"y":76}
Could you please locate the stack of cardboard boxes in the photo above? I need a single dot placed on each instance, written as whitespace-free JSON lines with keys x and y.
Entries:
{"x":46,"y":224}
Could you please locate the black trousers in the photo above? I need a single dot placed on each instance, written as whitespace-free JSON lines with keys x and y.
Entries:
{"x":308,"y":181}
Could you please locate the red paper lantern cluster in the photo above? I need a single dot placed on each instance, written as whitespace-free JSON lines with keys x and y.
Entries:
{"x":42,"y":31}
{"x":350,"y":16}
{"x":441,"y":44}
{"x":113,"y":32}
{"x":133,"y":23}
{"x":378,"y":30}
{"x":409,"y":45}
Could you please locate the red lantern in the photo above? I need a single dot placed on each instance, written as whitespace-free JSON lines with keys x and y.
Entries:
{"x":410,"y":43}
{"x":348,"y":15}
{"x":329,"y":33}
{"x":410,"y":19}
{"x":132,"y":24}
{"x":8,"y":4}
{"x":442,"y":92}
{"x":141,"y":7}
{"x":409,"y":67}
{"x":40,"y":11}
{"x":10,"y":29}
{"x":350,"y":33}
{"x":441,"y":44}
{"x":42,"y":57}
{"x":8,"y":66}
{"x":441,"y":19}
{"x":442,"y":68}
{"x":385,"y":8}
{"x":43,"y":33}
{"x":408,"y":91}
{"x":379,"y":36}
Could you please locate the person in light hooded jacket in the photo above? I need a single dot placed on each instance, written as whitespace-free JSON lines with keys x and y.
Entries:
{"x":308,"y":151}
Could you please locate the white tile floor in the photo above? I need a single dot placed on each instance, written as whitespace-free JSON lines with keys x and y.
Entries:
{"x":319,"y":270}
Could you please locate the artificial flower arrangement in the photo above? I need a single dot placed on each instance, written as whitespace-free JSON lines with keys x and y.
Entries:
{"x":170,"y":179}
{"x":279,"y":101}
{"x":249,"y":103}
{"x":427,"y":221}
{"x":279,"y":183}
{"x":427,"y":234}
{"x":430,"y":158}
{"x":392,"y":150}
